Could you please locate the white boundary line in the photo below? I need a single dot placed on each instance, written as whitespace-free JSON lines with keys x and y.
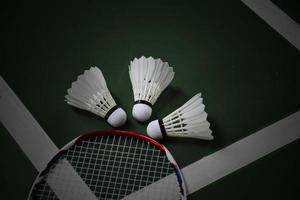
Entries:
{"x":241,"y":153}
{"x":37,"y":146}
{"x":277,"y":19}
{"x":25,"y":130}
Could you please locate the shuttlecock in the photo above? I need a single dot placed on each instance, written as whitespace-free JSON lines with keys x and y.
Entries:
{"x":149,"y":77}
{"x":89,"y":92}
{"x":190,"y":121}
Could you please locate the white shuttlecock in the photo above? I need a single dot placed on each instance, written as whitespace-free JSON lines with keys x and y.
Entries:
{"x":149,"y":77}
{"x":190,"y":121}
{"x":89,"y":92}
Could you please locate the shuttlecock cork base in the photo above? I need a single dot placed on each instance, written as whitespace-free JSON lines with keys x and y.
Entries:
{"x":116,"y":117}
{"x":156,"y":130}
{"x":142,"y":110}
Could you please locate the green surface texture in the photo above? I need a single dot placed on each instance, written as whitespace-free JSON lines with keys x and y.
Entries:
{"x":247,"y":73}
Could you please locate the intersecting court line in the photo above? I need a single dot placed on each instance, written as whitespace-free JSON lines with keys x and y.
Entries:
{"x":37,"y":146}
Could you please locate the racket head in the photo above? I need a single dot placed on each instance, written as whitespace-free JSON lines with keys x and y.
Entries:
{"x":115,"y":164}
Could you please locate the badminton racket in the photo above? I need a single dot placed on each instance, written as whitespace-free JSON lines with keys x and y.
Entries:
{"x":99,"y":165}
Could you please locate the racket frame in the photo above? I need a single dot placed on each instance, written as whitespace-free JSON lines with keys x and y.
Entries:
{"x":133,"y":134}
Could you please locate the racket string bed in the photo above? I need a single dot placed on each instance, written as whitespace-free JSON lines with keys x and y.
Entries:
{"x":115,"y":167}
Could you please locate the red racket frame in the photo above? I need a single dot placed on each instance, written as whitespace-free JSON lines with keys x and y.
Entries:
{"x":133,"y":134}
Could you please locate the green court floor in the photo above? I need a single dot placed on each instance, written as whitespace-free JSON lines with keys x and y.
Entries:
{"x":248,"y":74}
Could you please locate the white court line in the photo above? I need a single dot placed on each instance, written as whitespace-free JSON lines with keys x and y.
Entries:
{"x":277,"y":19}
{"x":37,"y":146}
{"x":239,"y":154}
